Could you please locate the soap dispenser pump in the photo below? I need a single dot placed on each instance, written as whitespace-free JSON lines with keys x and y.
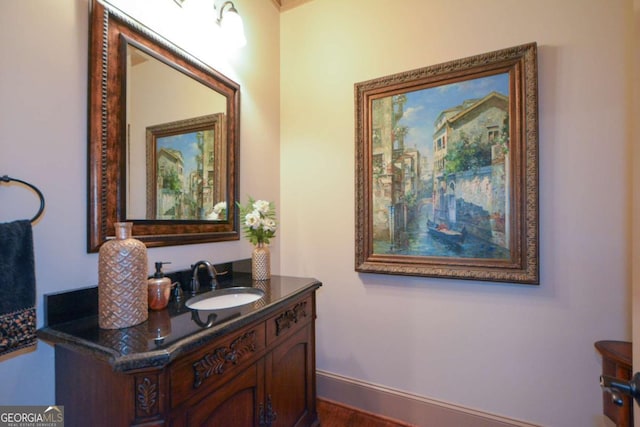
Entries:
{"x":159,"y":288}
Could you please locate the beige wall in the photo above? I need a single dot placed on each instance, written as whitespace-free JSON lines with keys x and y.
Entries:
{"x":158,"y":94}
{"x":519,"y":351}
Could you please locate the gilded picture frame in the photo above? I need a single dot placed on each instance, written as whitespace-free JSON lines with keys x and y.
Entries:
{"x":447,"y":170}
{"x":186,"y":169}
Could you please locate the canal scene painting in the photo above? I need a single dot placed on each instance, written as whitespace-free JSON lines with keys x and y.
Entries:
{"x":448,"y":166}
{"x":439,"y":158}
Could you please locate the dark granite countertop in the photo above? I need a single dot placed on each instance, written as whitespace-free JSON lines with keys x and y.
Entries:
{"x":167,"y":333}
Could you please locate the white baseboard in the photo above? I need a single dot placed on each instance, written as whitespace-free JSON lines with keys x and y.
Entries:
{"x":405,"y":407}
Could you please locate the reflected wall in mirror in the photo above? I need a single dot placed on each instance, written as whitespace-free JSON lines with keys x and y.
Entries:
{"x":163,"y":138}
{"x":183,"y":135}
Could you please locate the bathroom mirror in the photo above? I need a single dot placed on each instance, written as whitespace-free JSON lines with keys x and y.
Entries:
{"x":163,"y":138}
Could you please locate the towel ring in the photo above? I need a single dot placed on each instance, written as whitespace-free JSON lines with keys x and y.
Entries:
{"x":7,"y":178}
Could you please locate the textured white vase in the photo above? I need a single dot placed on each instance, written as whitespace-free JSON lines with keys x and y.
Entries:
{"x":261,"y":262}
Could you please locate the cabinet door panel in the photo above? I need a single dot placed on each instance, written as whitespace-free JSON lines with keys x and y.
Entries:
{"x":204,"y":370}
{"x":289,"y":380}
{"x":234,"y":404}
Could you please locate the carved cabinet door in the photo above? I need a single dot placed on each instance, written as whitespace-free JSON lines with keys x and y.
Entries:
{"x":235,"y":403}
{"x":290,"y":381}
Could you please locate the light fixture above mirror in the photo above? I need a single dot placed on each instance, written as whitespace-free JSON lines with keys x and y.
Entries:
{"x":230,"y":24}
{"x":229,"y":21}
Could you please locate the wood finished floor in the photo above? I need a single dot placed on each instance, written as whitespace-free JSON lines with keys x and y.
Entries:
{"x":334,"y":414}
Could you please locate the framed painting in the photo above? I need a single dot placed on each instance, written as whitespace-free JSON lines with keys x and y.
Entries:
{"x":447,"y":170}
{"x":186,"y":170}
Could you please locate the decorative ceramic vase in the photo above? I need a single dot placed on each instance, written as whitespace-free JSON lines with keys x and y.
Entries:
{"x":122,"y":280}
{"x":261,"y":262}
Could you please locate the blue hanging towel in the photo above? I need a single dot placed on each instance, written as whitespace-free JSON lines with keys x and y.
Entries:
{"x":17,"y":287}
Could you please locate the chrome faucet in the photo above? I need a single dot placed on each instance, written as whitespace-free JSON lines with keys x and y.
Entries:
{"x":195,"y":283}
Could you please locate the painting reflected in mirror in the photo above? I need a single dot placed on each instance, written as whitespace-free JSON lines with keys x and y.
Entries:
{"x":185,"y":171}
{"x":186,"y":158}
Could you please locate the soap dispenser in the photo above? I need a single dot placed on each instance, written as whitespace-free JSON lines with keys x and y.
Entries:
{"x":159,"y":288}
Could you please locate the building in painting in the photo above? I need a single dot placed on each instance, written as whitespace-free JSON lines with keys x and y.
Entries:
{"x":469,"y":186}
{"x":397,"y":176}
{"x":170,"y":183}
{"x":208,"y":170}
{"x":201,"y":180}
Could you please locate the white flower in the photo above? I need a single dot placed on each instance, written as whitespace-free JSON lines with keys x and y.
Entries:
{"x":213,"y":216}
{"x":252,"y":220}
{"x":261,"y":206}
{"x":219,"y":207}
{"x":259,"y":221}
{"x":269,"y":224}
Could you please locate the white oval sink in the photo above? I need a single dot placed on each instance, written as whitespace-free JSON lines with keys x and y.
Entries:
{"x":224,"y":298}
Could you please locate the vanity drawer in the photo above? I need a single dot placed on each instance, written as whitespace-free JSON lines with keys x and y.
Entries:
{"x":205,"y":369}
{"x":290,"y":319}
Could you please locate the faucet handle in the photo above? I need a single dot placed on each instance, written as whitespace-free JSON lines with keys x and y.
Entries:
{"x":177,"y":292}
{"x":214,"y":277}
{"x":194,"y":286}
{"x":217,"y":273}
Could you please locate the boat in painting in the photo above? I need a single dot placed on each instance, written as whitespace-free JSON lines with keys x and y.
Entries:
{"x":445,"y":234}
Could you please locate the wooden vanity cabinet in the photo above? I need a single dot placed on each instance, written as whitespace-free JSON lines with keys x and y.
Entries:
{"x":260,"y":375}
{"x":290,"y":381}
